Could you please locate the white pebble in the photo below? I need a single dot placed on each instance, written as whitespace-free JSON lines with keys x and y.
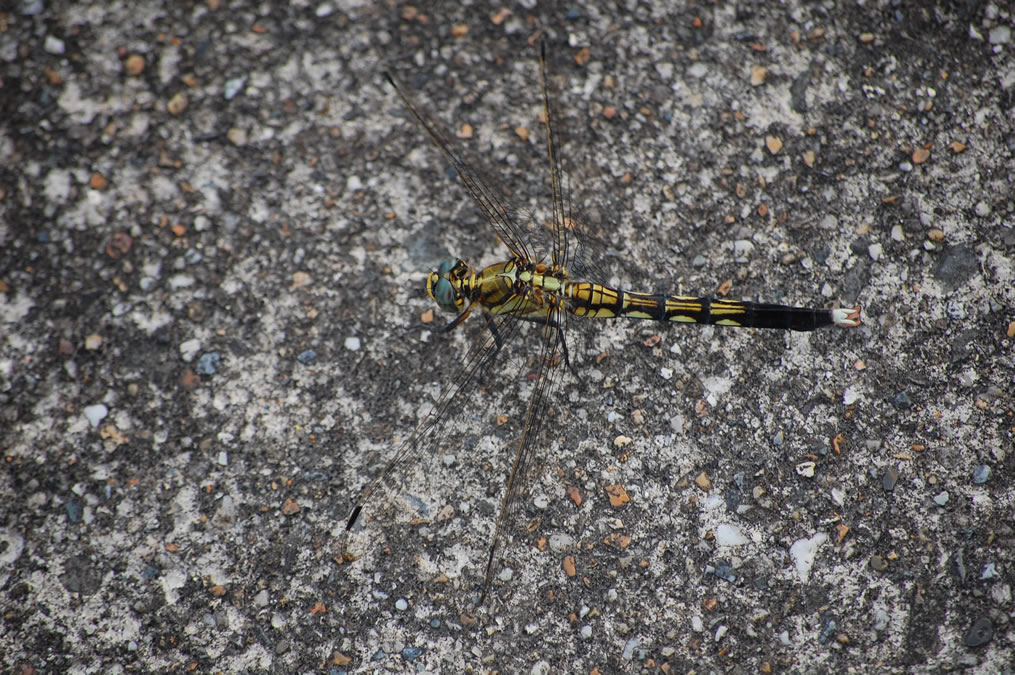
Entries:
{"x":352,"y":344}
{"x":806,"y":469}
{"x":697,"y":70}
{"x":730,"y":535}
{"x":741,"y":249}
{"x":178,"y":281}
{"x":804,"y":552}
{"x":561,"y":542}
{"x":401,"y":604}
{"x":54,"y":45}
{"x":189,"y":349}
{"x":998,"y":35}
{"x":850,"y":396}
{"x":95,"y":413}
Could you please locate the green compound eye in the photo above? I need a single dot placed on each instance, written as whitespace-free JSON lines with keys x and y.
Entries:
{"x":442,"y":289}
{"x":445,"y":295}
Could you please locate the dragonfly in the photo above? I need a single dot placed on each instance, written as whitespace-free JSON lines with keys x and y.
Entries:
{"x":548,"y":279}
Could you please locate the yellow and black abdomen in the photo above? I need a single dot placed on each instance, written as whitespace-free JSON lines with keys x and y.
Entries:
{"x":603,"y":302}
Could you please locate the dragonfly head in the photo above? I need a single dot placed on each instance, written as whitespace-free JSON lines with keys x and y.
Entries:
{"x":447,"y":285}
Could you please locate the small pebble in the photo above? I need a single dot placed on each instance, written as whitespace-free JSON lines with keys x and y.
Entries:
{"x":189,"y":349}
{"x":979,"y":633}
{"x":237,"y":137}
{"x":586,"y":632}
{"x":233,"y":87}
{"x":95,"y":413}
{"x":941,"y":498}
{"x":54,"y":45}
{"x":730,"y":535}
{"x":806,"y":469}
{"x":742,"y":248}
{"x":830,"y":626}
{"x":725,"y":572}
{"x":308,"y":357}
{"x":561,"y":542}
{"x":540,"y":668}
{"x":178,"y":281}
{"x":890,"y":478}
{"x":850,"y":396}
{"x":989,"y":572}
{"x":411,"y":653}
{"x":75,"y":510}
{"x":901,"y":401}
{"x":981,"y":474}
{"x":982,"y":209}
{"x":878,"y":564}
{"x":352,"y":344}
{"x":134,"y":65}
{"x":177,"y":104}
{"x":999,"y":35}
{"x":208,"y":363}
{"x":401,"y":604}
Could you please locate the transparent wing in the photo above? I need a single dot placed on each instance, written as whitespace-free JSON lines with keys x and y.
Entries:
{"x":506,"y":220}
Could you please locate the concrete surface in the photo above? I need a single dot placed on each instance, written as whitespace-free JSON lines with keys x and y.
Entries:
{"x":213,"y":337}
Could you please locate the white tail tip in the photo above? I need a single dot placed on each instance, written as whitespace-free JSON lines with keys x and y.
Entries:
{"x":847,"y":318}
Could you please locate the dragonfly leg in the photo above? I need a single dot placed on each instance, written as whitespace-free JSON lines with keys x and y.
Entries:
{"x":563,"y":349}
{"x":555,"y":325}
{"x":498,"y":340}
{"x":454,"y":323}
